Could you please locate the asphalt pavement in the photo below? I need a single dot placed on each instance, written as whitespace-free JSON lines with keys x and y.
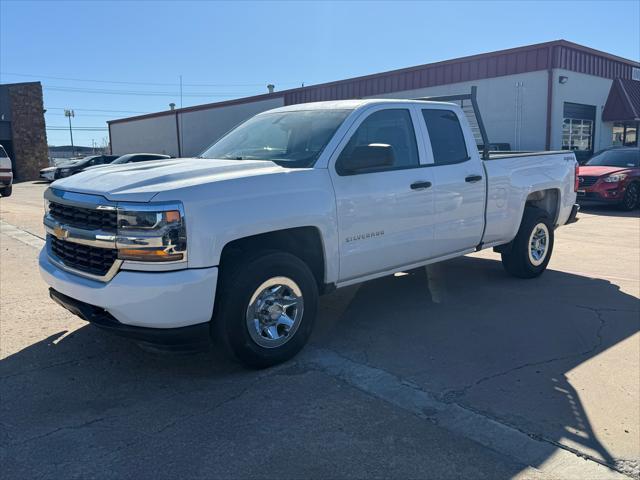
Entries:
{"x":451,"y":371}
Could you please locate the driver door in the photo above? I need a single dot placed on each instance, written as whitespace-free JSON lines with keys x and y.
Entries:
{"x":384,"y":216}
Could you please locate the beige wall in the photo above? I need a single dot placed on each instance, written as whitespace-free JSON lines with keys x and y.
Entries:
{"x":198,"y":129}
{"x":147,"y":135}
{"x":519,"y":121}
{"x":584,"y":89}
{"x":201,"y":128}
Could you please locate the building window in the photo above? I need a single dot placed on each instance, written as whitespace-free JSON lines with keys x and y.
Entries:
{"x":630,"y":135}
{"x":625,"y":134}
{"x":618,"y":135}
{"x":577,"y":134}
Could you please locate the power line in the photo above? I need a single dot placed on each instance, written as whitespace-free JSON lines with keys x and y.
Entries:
{"x":59,"y":127}
{"x":94,"y":110}
{"x":121,"y":82}
{"x":101,"y":115}
{"x":138,"y":93}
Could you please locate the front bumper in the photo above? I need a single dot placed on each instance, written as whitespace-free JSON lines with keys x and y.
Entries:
{"x":601,"y":195}
{"x":48,"y":176}
{"x":156,"y":300}
{"x":193,"y":337}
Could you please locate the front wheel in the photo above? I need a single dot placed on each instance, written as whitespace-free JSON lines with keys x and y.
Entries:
{"x":266,"y":307}
{"x":631,"y":197}
{"x":6,"y":191}
{"x":531,"y":249}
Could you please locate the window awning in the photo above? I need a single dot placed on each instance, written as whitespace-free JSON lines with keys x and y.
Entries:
{"x":623,"y":102}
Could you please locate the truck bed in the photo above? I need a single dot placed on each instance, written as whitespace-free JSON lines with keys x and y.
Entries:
{"x":512,"y":154}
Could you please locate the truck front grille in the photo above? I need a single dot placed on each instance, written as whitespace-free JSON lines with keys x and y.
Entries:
{"x":85,"y":218}
{"x":93,"y":260}
{"x":585,"y":181}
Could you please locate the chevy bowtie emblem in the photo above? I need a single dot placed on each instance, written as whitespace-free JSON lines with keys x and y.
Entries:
{"x":60,"y":233}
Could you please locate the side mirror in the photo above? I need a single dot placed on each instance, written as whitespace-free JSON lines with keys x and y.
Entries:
{"x":366,"y":158}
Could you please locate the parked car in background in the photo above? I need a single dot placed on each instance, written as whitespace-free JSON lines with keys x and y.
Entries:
{"x":132,"y":158}
{"x":611,"y":176}
{"x":6,"y":173}
{"x":73,"y":167}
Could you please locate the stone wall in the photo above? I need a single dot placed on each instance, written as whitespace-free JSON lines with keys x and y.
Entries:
{"x":28,"y":130}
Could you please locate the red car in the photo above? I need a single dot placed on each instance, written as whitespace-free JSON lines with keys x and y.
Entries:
{"x":611,"y":176}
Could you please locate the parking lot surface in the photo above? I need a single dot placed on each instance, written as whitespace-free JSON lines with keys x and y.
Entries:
{"x":451,"y":371}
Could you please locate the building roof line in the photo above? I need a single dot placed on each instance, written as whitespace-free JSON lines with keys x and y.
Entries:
{"x":458,"y":60}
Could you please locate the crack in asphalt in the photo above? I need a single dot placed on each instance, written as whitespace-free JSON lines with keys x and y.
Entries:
{"x":452,"y":395}
{"x":58,"y":429}
{"x":462,"y":419}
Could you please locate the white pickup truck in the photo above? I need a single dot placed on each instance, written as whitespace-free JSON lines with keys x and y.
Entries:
{"x":237,"y":244}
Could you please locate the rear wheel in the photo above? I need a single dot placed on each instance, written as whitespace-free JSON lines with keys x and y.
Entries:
{"x":266,"y":307}
{"x":631,"y":197}
{"x":6,"y":191}
{"x":530,"y":251}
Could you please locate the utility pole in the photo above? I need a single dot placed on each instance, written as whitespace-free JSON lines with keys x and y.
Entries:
{"x":181,"y":144}
{"x":69,"y":114}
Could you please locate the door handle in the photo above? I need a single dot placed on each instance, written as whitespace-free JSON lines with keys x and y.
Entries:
{"x":473,"y":178}
{"x":420,"y":185}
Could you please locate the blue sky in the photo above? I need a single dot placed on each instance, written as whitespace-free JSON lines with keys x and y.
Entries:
{"x":235,"y":49}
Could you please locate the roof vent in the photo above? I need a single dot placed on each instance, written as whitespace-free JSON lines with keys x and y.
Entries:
{"x":271,"y":87}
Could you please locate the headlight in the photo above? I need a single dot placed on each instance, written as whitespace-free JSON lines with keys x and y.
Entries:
{"x":617,"y":177}
{"x":156,"y":233}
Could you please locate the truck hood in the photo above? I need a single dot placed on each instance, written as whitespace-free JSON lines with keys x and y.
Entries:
{"x":598,"y":171}
{"x":140,"y":182}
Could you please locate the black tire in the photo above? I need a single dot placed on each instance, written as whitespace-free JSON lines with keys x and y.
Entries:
{"x":518,"y":260}
{"x":631,"y":197}
{"x":238,"y":283}
{"x":6,"y":191}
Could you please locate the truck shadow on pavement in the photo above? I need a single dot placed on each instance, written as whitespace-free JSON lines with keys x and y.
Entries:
{"x":509,"y":349}
{"x":92,"y":403}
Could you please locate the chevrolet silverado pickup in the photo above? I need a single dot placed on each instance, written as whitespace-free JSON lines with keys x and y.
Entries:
{"x":236,"y":245}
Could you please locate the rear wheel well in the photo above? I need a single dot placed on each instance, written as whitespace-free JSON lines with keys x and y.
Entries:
{"x":303,"y":242}
{"x":547,"y":200}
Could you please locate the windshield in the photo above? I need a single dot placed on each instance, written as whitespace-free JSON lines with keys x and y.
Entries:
{"x":81,"y":162}
{"x":616,"y":158}
{"x":122,"y":159}
{"x":292,"y":139}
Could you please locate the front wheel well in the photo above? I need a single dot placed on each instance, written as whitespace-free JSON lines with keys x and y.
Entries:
{"x":303,"y":242}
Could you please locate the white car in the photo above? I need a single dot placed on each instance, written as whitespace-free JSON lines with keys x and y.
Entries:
{"x":48,"y":173}
{"x":237,"y":244}
{"x":6,"y":173}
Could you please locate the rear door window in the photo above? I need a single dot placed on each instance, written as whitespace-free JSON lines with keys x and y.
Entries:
{"x":446,"y":136}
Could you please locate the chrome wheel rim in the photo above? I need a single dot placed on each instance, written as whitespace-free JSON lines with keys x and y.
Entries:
{"x":275,"y":312}
{"x":538,"y":244}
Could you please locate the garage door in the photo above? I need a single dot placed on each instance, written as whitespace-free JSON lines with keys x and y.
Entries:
{"x":578,"y":129}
